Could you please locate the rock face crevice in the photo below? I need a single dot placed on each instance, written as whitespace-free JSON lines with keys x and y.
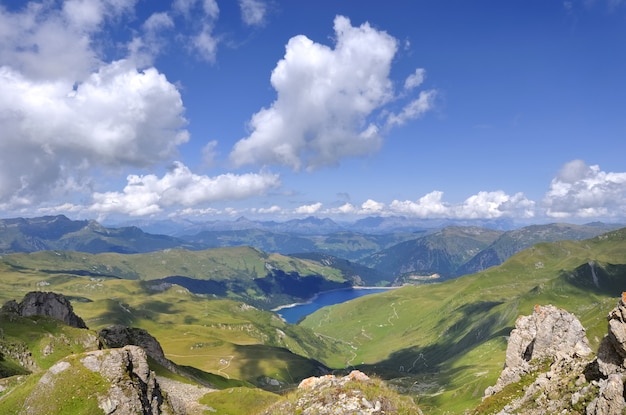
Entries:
{"x":134,"y":389}
{"x":125,"y":384}
{"x":551,"y":345}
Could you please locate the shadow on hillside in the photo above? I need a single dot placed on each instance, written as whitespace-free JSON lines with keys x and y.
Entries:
{"x":603,"y":278}
{"x":259,"y":362}
{"x":114,"y":312}
{"x":196,"y":286}
{"x":475,"y":324}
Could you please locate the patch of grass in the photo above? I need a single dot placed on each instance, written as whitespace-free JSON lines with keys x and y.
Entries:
{"x":73,"y":391}
{"x":495,"y":403}
{"x":19,"y":388}
{"x":239,"y":400}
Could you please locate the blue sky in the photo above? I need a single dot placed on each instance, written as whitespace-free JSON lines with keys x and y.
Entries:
{"x":206,"y":109}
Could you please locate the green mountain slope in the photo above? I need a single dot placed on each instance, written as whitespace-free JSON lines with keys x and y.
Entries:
{"x":445,"y":342}
{"x":239,"y":273}
{"x":229,"y":339}
{"x":59,"y":232}
{"x":344,"y":244}
{"x":441,"y":253}
{"x":511,"y":242}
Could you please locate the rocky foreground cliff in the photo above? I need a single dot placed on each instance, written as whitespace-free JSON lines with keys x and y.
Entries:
{"x":550,"y":368}
{"x":64,"y":368}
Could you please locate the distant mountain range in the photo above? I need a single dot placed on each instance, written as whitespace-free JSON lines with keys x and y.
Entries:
{"x":456,"y":251}
{"x":408,"y":253}
{"x":59,"y":232}
{"x":374,"y":225}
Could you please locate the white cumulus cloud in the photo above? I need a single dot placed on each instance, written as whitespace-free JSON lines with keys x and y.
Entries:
{"x":584,"y":191}
{"x":308,"y":209}
{"x":326,"y":99}
{"x":53,"y":131}
{"x":483,"y":205}
{"x":65,"y":112}
{"x":200,"y":17}
{"x":413,"y":109}
{"x":149,"y":194}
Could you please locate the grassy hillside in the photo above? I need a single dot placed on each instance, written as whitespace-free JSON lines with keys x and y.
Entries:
{"x":512,"y":242}
{"x":239,"y":273}
{"x":228,"y":338}
{"x":445,"y":342}
{"x":344,"y":244}
{"x":441,"y":253}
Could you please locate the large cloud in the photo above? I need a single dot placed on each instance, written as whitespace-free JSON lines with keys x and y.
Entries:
{"x":326,"y":99}
{"x":53,"y":130}
{"x":149,"y":194}
{"x":70,"y":114}
{"x":586,"y":191}
{"x":483,"y":205}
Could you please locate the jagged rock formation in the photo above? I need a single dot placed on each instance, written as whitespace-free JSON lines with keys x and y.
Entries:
{"x":39,"y":303}
{"x":116,"y":380}
{"x":134,"y":389}
{"x":116,"y":336}
{"x":345,"y":395}
{"x":122,"y":384}
{"x":549,"y":359}
{"x":548,"y":333}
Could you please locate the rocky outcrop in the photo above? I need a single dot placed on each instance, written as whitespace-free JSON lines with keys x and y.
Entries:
{"x":120,"y":382}
{"x":120,"y":336}
{"x":116,"y":336}
{"x":134,"y":389}
{"x":329,"y":394}
{"x":549,"y":333}
{"x":550,"y":349}
{"x":39,"y":303}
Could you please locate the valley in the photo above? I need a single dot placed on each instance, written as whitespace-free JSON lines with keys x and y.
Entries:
{"x":442,"y":343}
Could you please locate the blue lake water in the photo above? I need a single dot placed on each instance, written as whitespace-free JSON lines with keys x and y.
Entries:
{"x":296,"y":312}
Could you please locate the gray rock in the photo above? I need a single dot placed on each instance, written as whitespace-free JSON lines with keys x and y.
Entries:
{"x":134,"y":389}
{"x":39,"y":303}
{"x":125,"y":384}
{"x":548,"y":333}
{"x":573,"y":379}
{"x":117,"y":336}
{"x":610,"y":399}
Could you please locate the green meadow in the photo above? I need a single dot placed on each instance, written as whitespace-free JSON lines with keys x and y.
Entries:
{"x":441,"y":344}
{"x":444,"y":343}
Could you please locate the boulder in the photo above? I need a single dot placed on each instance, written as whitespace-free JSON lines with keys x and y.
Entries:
{"x":345,"y":395}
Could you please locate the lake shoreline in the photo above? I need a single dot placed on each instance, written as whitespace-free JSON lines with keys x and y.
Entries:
{"x":280,"y":307}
